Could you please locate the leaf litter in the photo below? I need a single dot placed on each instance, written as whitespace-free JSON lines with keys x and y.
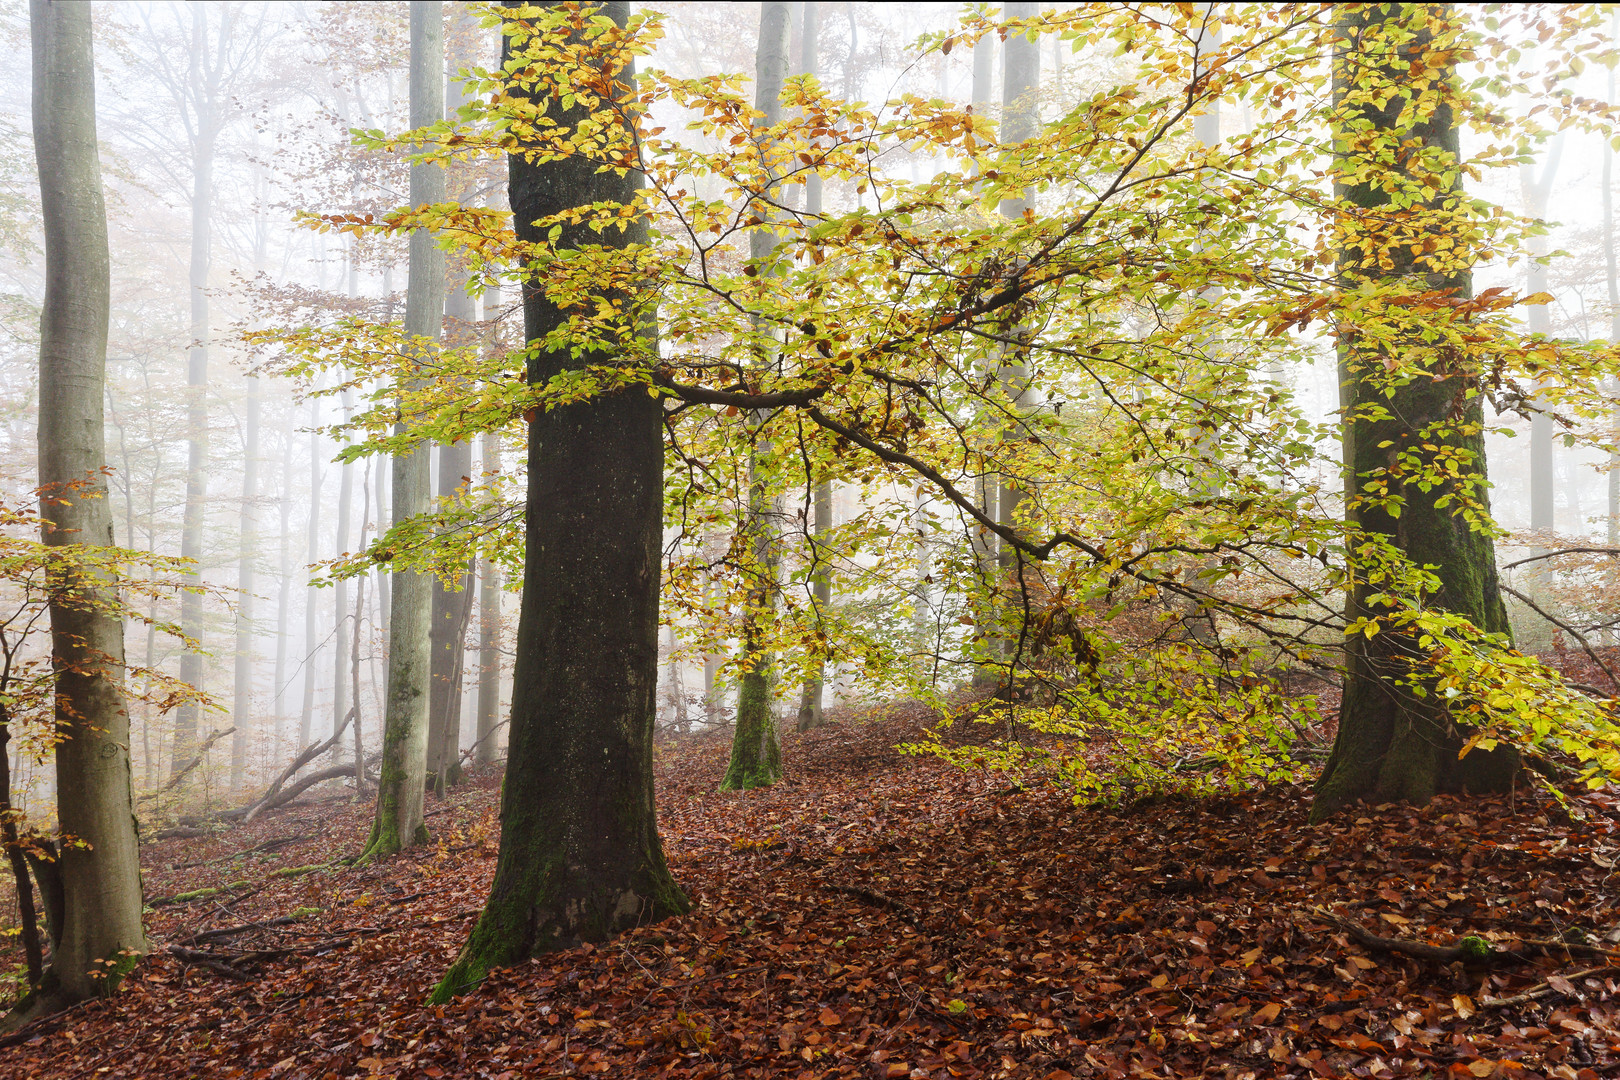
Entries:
{"x":884,"y":915}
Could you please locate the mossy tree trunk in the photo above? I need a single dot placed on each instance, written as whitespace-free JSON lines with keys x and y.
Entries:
{"x":756,"y":755}
{"x":399,"y":822}
{"x":1395,"y":742}
{"x":92,"y":890}
{"x":580,"y":856}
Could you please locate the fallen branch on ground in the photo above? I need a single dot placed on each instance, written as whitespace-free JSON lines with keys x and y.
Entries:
{"x":1469,"y":950}
{"x":1542,"y":989}
{"x":268,"y":845}
{"x":876,"y":899}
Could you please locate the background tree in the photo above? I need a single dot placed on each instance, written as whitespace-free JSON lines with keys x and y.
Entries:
{"x":756,"y":755}
{"x":399,"y":821}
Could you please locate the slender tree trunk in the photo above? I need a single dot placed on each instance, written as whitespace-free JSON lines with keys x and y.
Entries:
{"x":28,"y":916}
{"x":283,"y":592}
{"x":580,"y":855}
{"x":399,"y":821}
{"x":341,"y":628}
{"x":489,"y":634}
{"x":1537,"y":193}
{"x":985,"y":487}
{"x":810,"y":709}
{"x":756,"y":755}
{"x":450,"y":601}
{"x":94,"y":902}
{"x":312,"y":553}
{"x":193,"y":666}
{"x":714,"y":546}
{"x":1020,"y":120}
{"x":449,"y":635}
{"x":1612,"y":266}
{"x":1394,"y":741}
{"x":247,"y":538}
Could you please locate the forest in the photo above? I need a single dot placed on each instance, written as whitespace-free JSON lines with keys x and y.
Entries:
{"x":809,"y":540}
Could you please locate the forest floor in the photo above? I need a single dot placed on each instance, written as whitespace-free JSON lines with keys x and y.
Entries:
{"x":882,"y":915}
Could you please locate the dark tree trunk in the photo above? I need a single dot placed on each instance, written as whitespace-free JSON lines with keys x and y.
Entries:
{"x":1395,"y":743}
{"x":580,"y":855}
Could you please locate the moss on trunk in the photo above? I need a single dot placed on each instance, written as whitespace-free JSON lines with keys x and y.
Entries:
{"x":1396,"y":741}
{"x":580,"y":856}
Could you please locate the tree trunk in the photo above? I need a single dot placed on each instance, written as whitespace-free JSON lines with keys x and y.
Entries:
{"x":1537,"y":192}
{"x":1020,"y":120}
{"x":247,"y":538}
{"x":193,"y":666}
{"x":489,"y":630}
{"x":756,"y":755}
{"x":580,"y":856}
{"x":1394,"y":742}
{"x":312,"y":551}
{"x":810,"y":708}
{"x":399,"y":821}
{"x":449,"y":634}
{"x":341,"y":626}
{"x":98,"y":933}
{"x":985,"y":487}
{"x":1612,"y":267}
{"x":283,"y":593}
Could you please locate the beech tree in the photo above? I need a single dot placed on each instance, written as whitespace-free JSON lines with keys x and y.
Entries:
{"x":92,"y":884}
{"x":399,"y":822}
{"x":756,"y":754}
{"x":580,"y":856}
{"x":1414,"y":435}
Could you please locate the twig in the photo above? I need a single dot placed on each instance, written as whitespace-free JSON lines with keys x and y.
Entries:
{"x":1562,"y":551}
{"x":467,"y":753}
{"x":231,"y":931}
{"x":202,"y":752}
{"x":216,"y":964}
{"x":268,"y":845}
{"x":876,"y":899}
{"x":1541,"y":989}
{"x":1576,"y":634}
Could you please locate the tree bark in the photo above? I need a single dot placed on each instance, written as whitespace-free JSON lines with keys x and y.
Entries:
{"x":756,"y":754}
{"x":1394,"y":744}
{"x":312,"y":551}
{"x":283,"y":593}
{"x":1612,"y":269}
{"x":1020,"y":120}
{"x":95,"y":916}
{"x":449,"y":634}
{"x":810,"y":701}
{"x":247,"y":538}
{"x":342,"y":627}
{"x":193,"y":666}
{"x":399,"y":822}
{"x":489,"y":630}
{"x":580,"y":855}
